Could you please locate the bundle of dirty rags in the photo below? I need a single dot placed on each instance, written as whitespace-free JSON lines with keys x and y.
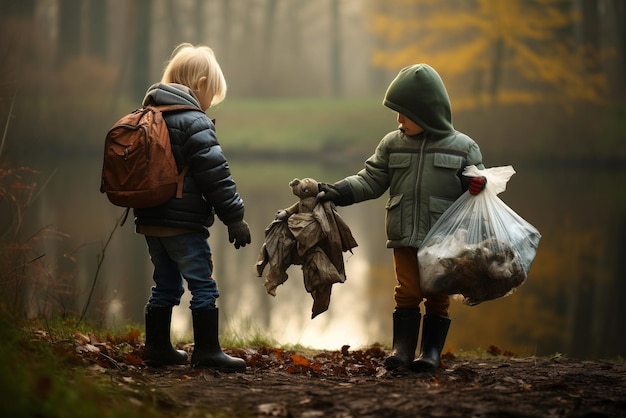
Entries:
{"x":314,"y":240}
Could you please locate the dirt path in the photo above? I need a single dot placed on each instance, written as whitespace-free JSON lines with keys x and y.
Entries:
{"x":498,"y":387}
{"x":354,"y":383}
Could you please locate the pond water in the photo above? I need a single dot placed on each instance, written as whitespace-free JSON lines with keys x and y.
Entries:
{"x":571,"y":302}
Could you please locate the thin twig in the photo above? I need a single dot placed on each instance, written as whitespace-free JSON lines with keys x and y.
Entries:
{"x":19,"y":209}
{"x":35,"y":259}
{"x":6,"y":126}
{"x":42,"y":187}
{"x":99,"y":265}
{"x":111,"y":360}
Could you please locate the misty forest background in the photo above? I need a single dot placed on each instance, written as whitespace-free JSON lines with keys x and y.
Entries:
{"x":540,"y":84}
{"x":533,"y":79}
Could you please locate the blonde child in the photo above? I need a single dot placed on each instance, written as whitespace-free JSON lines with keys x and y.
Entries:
{"x":177,"y":231}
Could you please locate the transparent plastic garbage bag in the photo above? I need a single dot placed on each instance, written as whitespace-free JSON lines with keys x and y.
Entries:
{"x":479,"y":249}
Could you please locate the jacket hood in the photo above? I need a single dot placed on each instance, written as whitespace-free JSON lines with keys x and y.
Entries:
{"x":169,"y":94}
{"x":419,"y":93}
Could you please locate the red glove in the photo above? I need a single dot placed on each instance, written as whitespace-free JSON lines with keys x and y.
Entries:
{"x":476,"y":185}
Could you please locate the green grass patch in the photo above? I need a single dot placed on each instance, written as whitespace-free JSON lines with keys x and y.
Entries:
{"x":41,"y":380}
{"x":246,"y":334}
{"x":307,"y":125}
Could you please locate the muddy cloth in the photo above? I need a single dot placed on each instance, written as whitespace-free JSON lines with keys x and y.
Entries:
{"x":316,"y":241}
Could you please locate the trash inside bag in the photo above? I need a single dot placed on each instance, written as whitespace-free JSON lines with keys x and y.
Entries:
{"x":479,"y":249}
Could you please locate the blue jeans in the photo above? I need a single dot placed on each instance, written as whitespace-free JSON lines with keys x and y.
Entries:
{"x":185,"y":256}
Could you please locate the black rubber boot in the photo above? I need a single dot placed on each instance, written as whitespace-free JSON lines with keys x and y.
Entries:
{"x":158,"y":350}
{"x":406,"y":327}
{"x":433,"y":339}
{"x":207,"y":351}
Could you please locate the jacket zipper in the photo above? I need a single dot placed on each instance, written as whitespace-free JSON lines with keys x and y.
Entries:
{"x":416,"y":203}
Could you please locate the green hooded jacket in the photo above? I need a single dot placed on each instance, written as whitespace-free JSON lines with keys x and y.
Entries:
{"x":421,"y":172}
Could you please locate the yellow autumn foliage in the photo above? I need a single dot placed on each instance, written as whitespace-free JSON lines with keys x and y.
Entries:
{"x":514,"y":51}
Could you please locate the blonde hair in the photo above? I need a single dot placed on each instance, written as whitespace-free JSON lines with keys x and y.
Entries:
{"x":189,"y":63}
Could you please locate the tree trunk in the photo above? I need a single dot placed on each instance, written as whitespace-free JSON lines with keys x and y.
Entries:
{"x":96,"y":29}
{"x":69,"y":30}
{"x":335,"y":48}
{"x":141,"y":51}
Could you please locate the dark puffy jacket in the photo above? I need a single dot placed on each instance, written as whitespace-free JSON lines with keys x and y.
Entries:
{"x":208,"y":186}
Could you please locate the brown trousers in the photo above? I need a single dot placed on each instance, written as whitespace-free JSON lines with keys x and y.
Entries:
{"x":408,"y":293}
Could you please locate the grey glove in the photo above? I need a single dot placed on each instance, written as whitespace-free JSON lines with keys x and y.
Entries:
{"x":239,"y":234}
{"x":328,"y":192}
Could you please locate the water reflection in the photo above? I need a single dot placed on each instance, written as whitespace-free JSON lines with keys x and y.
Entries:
{"x":571,"y":302}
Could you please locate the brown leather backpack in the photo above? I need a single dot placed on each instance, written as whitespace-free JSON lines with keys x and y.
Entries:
{"x":139,"y":169}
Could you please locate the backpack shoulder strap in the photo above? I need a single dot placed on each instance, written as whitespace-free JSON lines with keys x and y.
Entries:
{"x":179,"y":181}
{"x":170,"y":108}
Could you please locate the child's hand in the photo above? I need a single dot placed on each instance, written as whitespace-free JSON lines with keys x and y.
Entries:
{"x":328,"y":192}
{"x":239,"y":234}
{"x":476,"y":185}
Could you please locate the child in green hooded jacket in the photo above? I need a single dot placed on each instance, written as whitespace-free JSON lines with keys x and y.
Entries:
{"x":420,"y":164}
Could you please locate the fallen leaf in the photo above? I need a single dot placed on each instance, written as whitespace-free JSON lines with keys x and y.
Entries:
{"x":299,"y":360}
{"x":274,"y":409}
